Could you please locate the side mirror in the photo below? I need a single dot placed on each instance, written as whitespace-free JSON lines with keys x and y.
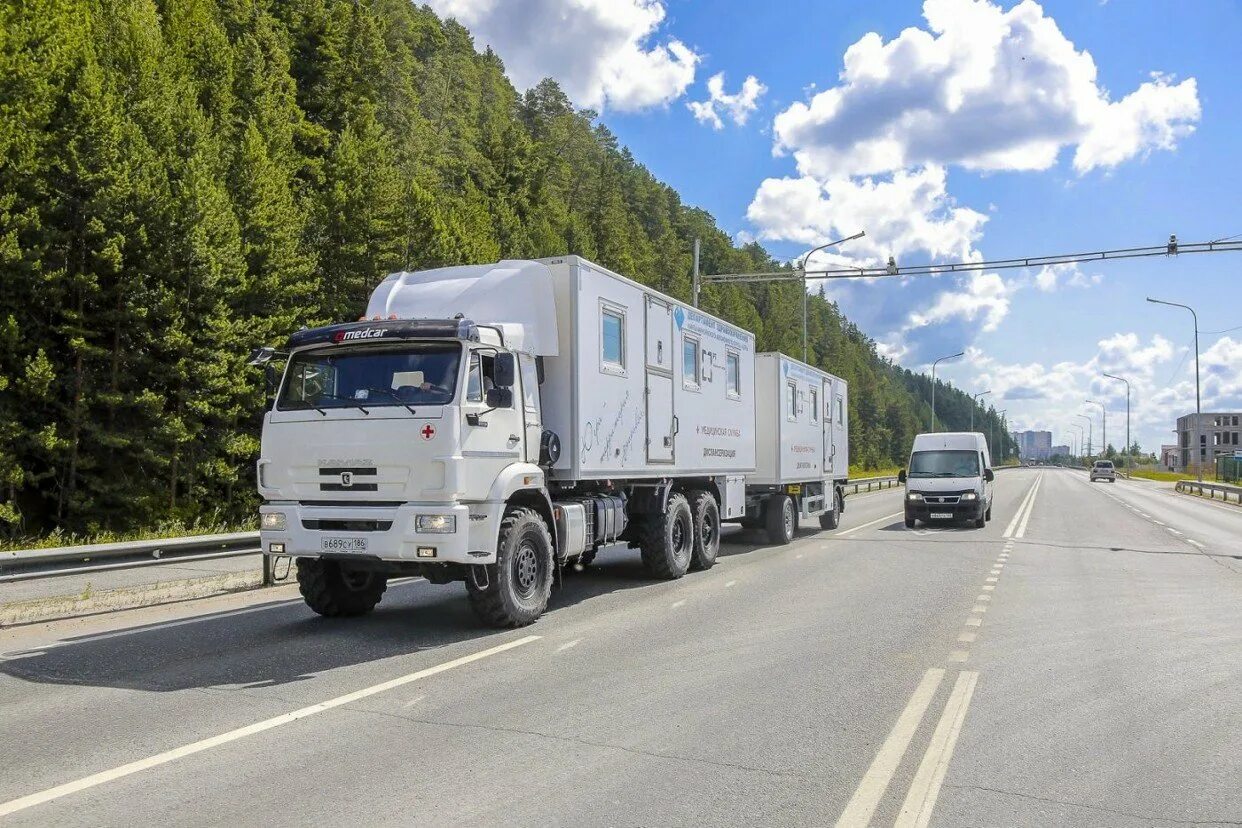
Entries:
{"x":504,"y":371}
{"x":500,"y":398}
{"x":901,"y":476}
{"x":989,"y":475}
{"x":271,"y":378}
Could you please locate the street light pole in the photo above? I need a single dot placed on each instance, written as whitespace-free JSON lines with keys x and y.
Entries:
{"x":1078,"y":452}
{"x":806,"y":259}
{"x":1198,"y":409}
{"x":1000,"y":415}
{"x":933,"y":400}
{"x":974,"y":400}
{"x":1103,"y":439}
{"x":1127,"y":382}
{"x":1090,"y":439}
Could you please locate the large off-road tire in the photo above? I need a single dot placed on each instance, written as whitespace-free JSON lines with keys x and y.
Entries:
{"x":706,"y":514}
{"x":780,"y":519}
{"x":832,"y":518}
{"x":513,"y":592}
{"x":667,"y":540}
{"x":334,"y":590}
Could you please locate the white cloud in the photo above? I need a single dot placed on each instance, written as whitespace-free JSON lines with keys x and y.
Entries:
{"x":602,"y":53}
{"x":985,"y":296}
{"x":982,"y":88}
{"x":906,"y":213}
{"x":1051,"y":277}
{"x":737,"y":107}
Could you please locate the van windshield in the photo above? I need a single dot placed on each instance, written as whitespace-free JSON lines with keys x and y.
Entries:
{"x":367,"y":376}
{"x":944,"y":463}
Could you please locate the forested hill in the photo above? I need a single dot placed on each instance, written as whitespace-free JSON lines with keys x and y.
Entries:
{"x":183,"y":180}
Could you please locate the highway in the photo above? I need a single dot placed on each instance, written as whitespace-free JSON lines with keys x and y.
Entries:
{"x":1077,"y":662}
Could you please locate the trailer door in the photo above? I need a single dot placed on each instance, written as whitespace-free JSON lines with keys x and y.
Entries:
{"x":830,"y":430}
{"x":661,"y":424}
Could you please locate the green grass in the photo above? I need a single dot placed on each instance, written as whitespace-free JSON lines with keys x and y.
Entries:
{"x":857,"y":472}
{"x":170,"y":529}
{"x":1166,"y":476}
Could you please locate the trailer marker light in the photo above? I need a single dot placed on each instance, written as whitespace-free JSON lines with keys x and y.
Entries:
{"x":426,"y":552}
{"x":276,"y":548}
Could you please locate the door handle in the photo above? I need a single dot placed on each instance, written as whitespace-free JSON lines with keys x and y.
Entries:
{"x":676,"y":425}
{"x":513,"y":438}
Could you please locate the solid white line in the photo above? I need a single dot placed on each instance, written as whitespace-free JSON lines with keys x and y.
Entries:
{"x":872,"y":523}
{"x":916,"y":811}
{"x":1030,"y":493}
{"x":29,"y":801}
{"x":875,"y":782}
{"x":1030,"y":508}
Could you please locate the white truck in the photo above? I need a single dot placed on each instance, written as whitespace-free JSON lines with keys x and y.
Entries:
{"x":802,"y":462}
{"x":491,"y":423}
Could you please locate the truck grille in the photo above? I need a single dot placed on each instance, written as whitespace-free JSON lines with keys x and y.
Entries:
{"x":345,"y":479}
{"x":357,"y":525}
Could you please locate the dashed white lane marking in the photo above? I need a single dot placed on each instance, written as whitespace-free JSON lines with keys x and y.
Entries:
{"x":958,"y":656}
{"x":979,"y":608}
{"x":1196,"y":543}
{"x":967,"y":637}
{"x":991,"y":579}
{"x":916,"y":811}
{"x":1158,"y":523}
{"x":983,"y":597}
{"x":799,"y":555}
{"x":29,"y":801}
{"x":996,"y":571}
{"x":989,"y":586}
{"x":893,"y":516}
{"x":677,"y":604}
{"x":568,"y":644}
{"x":974,"y":622}
{"x":730,"y":583}
{"x":875,"y":781}
{"x":412,"y":702}
{"x":1174,"y":531}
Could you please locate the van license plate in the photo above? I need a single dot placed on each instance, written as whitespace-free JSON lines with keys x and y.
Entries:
{"x":343,"y":544}
{"x":941,"y":515}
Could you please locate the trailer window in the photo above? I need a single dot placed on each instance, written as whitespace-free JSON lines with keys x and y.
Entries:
{"x":733,"y":364}
{"x":840,"y":411}
{"x":612,"y":339}
{"x":791,"y":400}
{"x":690,"y":361}
{"x":814,"y":405}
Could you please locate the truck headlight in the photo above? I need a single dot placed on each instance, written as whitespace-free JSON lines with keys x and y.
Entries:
{"x":436,"y":524}
{"x":273,"y":521}
{"x":914,"y":496}
{"x":970,"y":496}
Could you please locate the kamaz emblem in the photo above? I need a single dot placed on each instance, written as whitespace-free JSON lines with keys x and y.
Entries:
{"x":347,"y":479}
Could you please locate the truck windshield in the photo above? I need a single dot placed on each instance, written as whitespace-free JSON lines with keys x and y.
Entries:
{"x":410,"y":374}
{"x":945,"y":463}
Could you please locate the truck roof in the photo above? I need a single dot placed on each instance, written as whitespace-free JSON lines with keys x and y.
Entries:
{"x":970,"y":440}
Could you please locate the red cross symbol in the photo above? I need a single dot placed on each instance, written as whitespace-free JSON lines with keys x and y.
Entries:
{"x":428,"y":431}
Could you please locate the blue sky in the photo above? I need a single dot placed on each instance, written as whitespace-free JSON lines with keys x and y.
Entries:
{"x":958,"y":129}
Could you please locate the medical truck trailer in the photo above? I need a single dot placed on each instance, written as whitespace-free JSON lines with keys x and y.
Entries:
{"x":802,"y":447}
{"x":493,"y":423}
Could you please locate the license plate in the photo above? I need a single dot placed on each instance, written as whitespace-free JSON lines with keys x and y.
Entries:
{"x":343,"y":544}
{"x":941,"y":515}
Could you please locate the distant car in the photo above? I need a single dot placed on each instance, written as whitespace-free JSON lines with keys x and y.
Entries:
{"x":1103,"y":470}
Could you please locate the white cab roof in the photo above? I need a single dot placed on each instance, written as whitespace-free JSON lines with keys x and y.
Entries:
{"x":515,"y":295}
{"x":968,"y":440}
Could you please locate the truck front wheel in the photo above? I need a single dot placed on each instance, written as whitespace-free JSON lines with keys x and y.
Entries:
{"x":706,"y":530}
{"x":333,"y":590}
{"x":781,"y":519}
{"x":513,"y":592}
{"x":667,"y":540}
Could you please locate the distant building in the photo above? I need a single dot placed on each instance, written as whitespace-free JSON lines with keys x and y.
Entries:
{"x":1062,"y":451}
{"x":1171,"y":457}
{"x":1216,"y":434}
{"x":1034,"y":445}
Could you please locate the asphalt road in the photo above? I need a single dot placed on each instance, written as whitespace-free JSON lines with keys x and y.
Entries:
{"x":1077,"y":662}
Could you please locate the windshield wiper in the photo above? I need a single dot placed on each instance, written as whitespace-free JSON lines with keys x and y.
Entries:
{"x":392,"y":395}
{"x":355,"y":403}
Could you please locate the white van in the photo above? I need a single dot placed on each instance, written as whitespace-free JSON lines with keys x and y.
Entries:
{"x":949,"y":478}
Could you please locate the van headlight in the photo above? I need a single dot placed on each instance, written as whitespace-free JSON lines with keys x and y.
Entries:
{"x":914,"y":496}
{"x":273,"y":521}
{"x":435,"y":524}
{"x":970,"y":496}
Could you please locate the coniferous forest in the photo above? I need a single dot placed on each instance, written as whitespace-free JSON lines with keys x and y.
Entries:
{"x":184,"y":180}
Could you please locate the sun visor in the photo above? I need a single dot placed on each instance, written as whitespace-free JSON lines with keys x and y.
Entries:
{"x":515,"y":295}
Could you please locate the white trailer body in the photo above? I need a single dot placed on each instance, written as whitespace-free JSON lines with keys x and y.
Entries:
{"x":489,"y":423}
{"x":802,"y":446}
{"x":646,"y":386}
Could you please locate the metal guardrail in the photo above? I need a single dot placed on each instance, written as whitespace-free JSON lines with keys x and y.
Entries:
{"x":872,"y":483}
{"x":23,"y":564}
{"x":1229,"y":494}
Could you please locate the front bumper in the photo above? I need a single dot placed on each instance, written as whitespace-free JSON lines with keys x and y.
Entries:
{"x":388,"y":533}
{"x":962,"y":510}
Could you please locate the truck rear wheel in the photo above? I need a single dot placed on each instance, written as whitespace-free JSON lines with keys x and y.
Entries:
{"x":516,"y":588}
{"x":667,"y":540}
{"x":333,"y":590}
{"x":706,"y":530}
{"x":831,"y":518}
{"x":781,"y":519}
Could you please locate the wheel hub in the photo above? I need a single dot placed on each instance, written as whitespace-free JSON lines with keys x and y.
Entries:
{"x":526,"y":569}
